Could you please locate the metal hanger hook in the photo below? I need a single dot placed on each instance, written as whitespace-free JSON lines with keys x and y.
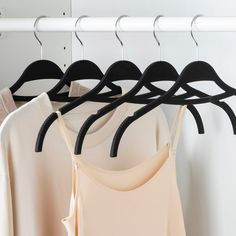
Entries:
{"x":154,"y":32}
{"x":117,"y":36}
{"x":36,"y":36}
{"x":76,"y":33}
{"x":192,"y":35}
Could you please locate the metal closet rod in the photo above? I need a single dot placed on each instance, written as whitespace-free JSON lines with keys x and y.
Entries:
{"x":127,"y":24}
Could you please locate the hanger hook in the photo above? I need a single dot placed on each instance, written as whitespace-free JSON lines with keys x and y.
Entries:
{"x":76,"y":33}
{"x":154,"y":32}
{"x":192,"y":35}
{"x":117,"y":36}
{"x":36,"y":36}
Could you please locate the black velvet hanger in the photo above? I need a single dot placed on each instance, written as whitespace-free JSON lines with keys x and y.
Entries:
{"x":195,"y":71}
{"x":42,"y":69}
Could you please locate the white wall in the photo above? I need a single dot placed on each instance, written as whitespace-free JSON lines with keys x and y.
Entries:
{"x":18,"y":50}
{"x":206,"y":163}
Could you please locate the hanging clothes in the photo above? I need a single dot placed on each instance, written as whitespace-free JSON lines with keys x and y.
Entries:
{"x":35,"y":187}
{"x":77,"y":88}
{"x":142,"y":200}
{"x":7,"y":104}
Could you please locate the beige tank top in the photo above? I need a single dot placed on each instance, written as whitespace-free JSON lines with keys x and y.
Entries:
{"x":142,"y":200}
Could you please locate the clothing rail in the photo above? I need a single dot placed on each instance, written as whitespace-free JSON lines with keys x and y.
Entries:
{"x":90,"y":24}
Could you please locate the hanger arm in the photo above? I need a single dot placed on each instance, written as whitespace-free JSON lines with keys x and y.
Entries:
{"x":154,"y":91}
{"x":221,"y":104}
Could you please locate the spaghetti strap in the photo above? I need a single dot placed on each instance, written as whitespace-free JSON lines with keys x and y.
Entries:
{"x":76,"y":198}
{"x":150,"y":194}
{"x":64,"y":132}
{"x":75,"y":170}
{"x":176,"y":127}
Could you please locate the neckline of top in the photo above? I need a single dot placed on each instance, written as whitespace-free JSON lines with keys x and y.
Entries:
{"x":99,"y":135}
{"x":83,"y":165}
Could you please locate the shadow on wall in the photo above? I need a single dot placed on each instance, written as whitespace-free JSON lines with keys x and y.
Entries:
{"x":197,"y":177}
{"x":197,"y":212}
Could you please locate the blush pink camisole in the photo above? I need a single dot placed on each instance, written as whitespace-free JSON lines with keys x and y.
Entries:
{"x":141,"y":201}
